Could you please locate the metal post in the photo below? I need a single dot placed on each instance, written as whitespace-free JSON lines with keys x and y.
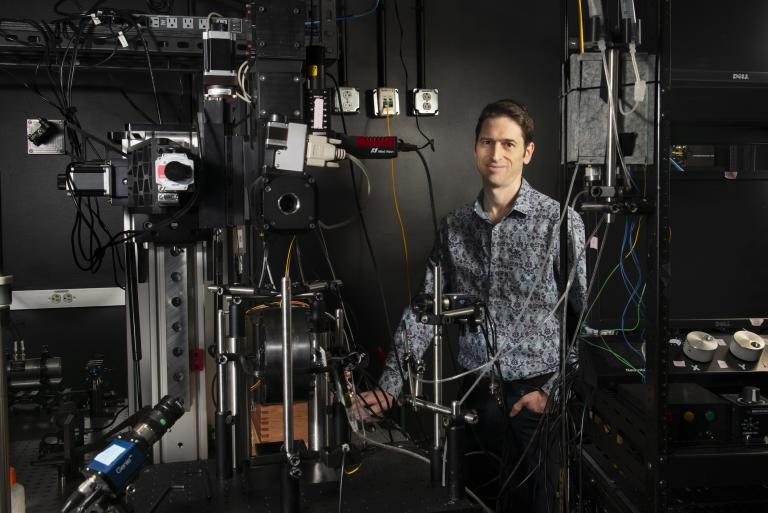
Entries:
{"x":285,"y":286}
{"x":6,"y":285}
{"x":436,"y":455}
{"x":223,"y":453}
{"x":609,"y":180}
{"x":5,"y":436}
{"x":290,"y":483}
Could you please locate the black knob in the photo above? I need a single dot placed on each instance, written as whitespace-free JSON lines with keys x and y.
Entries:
{"x":750,"y":395}
{"x":178,"y":172}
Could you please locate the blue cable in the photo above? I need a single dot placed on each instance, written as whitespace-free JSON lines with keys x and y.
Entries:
{"x":351,"y":16}
{"x":677,"y":166}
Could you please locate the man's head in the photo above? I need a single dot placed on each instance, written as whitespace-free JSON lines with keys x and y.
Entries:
{"x":503,"y":143}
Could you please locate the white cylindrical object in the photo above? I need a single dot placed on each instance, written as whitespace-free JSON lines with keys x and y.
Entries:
{"x":700,"y":346}
{"x":747,"y":346}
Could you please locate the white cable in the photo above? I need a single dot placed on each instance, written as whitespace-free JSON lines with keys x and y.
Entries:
{"x":352,"y":219}
{"x":208,"y":19}
{"x":612,"y":108}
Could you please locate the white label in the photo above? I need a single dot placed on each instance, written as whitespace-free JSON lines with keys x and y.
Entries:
{"x":594,"y":243}
{"x":722,"y":364}
{"x":96,"y":20}
{"x":678,"y":363}
{"x":721,"y":342}
{"x":317,"y":122}
{"x":110,"y":454}
{"x":122,"y":39}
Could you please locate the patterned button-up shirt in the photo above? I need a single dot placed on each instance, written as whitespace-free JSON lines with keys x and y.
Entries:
{"x":500,"y":263}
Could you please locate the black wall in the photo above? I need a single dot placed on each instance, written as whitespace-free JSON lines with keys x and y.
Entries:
{"x":477,"y":52}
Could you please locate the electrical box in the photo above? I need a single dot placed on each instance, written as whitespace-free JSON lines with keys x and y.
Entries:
{"x":385,"y":101}
{"x":424,"y":102}
{"x":350,"y":100}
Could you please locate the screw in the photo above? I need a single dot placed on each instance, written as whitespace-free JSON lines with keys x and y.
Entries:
{"x":296,"y":78}
{"x":125,"y":181}
{"x":176,"y":276}
{"x":176,"y":327}
{"x":262,"y":8}
{"x":177,"y":351}
{"x":296,"y":113}
{"x":296,"y":44}
{"x":295,"y":10}
{"x":262,"y":78}
{"x":176,"y":301}
{"x":268,"y":188}
{"x":261,"y":44}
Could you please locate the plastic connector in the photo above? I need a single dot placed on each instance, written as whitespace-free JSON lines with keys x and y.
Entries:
{"x":322,"y":151}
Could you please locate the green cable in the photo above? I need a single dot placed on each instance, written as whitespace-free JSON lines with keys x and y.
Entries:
{"x":616,"y":355}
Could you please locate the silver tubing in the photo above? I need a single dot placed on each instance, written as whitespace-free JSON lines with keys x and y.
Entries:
{"x":222,"y":385}
{"x":609,"y":180}
{"x":437,"y":342}
{"x":232,"y":381}
{"x":469,"y":416}
{"x":318,"y":403}
{"x":5,"y":433}
{"x":285,"y":286}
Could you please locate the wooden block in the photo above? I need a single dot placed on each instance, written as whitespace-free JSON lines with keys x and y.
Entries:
{"x":267,"y":422}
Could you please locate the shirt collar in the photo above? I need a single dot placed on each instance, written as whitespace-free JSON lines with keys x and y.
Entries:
{"x":524,"y":201}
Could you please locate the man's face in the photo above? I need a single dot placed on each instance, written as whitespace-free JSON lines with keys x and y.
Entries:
{"x":500,"y":152}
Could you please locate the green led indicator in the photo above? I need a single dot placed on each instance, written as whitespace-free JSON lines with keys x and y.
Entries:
{"x":710,"y":416}
{"x":163,"y":422}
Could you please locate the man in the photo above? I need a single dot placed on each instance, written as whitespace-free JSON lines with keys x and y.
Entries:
{"x":494,"y":248}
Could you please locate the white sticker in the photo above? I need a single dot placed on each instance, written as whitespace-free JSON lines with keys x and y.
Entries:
{"x":678,"y":363}
{"x":722,"y":364}
{"x":122,"y":39}
{"x":96,"y":20}
{"x":109,"y":455}
{"x":317,"y":122}
{"x":756,"y":322}
{"x":721,"y":342}
{"x":594,"y":243}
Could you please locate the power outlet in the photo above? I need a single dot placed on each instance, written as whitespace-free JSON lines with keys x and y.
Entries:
{"x":202,"y":24}
{"x":173,"y":22}
{"x":424,"y":102}
{"x":350,"y":100}
{"x":154,"y":21}
{"x":188,"y":23}
{"x":386,"y":102}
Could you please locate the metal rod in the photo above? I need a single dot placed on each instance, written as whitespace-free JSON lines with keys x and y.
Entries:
{"x":437,"y":388}
{"x":612,"y":84}
{"x":5,"y":435}
{"x":285,"y":286}
{"x":470,"y":417}
{"x":223,"y":432}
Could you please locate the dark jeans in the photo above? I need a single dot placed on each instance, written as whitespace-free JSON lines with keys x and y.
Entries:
{"x":507,"y":438}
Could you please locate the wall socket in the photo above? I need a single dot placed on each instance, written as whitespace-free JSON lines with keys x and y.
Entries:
{"x":386,"y":102}
{"x":173,"y":22}
{"x":350,"y":100}
{"x":188,"y":23}
{"x":424,"y":102}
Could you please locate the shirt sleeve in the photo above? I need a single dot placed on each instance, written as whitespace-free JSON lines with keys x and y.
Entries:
{"x":410,"y":330}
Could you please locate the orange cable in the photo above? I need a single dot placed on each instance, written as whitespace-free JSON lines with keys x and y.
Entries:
{"x":400,"y":221}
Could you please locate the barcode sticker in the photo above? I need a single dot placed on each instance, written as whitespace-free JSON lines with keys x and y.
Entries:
{"x":678,"y":363}
{"x":722,"y":364}
{"x":122,"y":39}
